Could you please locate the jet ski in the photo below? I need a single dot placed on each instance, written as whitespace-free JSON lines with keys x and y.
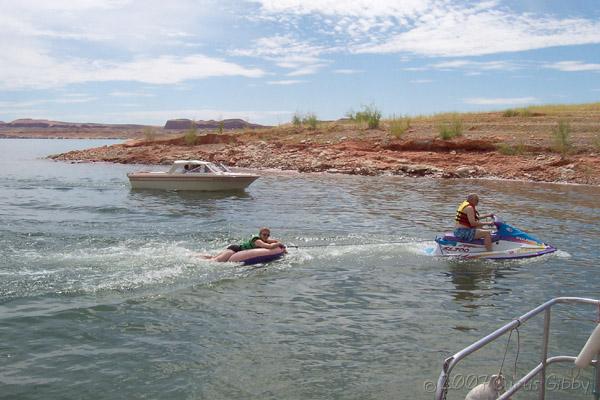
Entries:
{"x":508,"y":242}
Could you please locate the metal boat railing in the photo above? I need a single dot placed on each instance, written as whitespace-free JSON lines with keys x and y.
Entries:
{"x":450,"y":363}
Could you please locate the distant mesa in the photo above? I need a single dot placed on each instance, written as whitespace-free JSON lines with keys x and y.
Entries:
{"x":235,"y":123}
{"x":32,"y":123}
{"x":44,"y":123}
{"x":172,"y":124}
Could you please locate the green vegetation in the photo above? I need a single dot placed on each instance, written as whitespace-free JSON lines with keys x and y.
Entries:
{"x":190,"y":137}
{"x":297,"y":120}
{"x":518,"y":112}
{"x":369,"y":115}
{"x":399,"y":125}
{"x":511,"y":150}
{"x":310,"y":120}
{"x":221,"y":125}
{"x":449,"y":125}
{"x":596,"y":141}
{"x":564,"y":108}
{"x":561,"y":137}
{"x":149,"y":134}
{"x":552,"y":109}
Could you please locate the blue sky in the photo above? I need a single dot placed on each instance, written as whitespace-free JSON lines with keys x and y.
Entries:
{"x":129,"y":61}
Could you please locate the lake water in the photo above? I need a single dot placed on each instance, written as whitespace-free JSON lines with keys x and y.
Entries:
{"x":102,"y":295}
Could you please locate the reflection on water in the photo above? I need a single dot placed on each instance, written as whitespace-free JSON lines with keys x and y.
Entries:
{"x":185,"y":203}
{"x":186,"y":195}
{"x":474,"y":281}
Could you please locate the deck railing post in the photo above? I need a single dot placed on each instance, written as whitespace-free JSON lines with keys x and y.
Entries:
{"x":540,"y":369}
{"x":597,"y":378}
{"x":542,"y":393}
{"x":597,"y":367}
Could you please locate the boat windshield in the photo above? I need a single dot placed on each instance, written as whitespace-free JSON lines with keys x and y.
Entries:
{"x":221,"y":167}
{"x":198,"y":168}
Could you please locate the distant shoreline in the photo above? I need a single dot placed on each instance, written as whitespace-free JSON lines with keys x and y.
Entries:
{"x":62,"y":138}
{"x":554,"y":144}
{"x":490,"y":145}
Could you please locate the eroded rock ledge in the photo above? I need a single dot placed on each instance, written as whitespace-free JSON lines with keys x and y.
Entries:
{"x":423,"y":157}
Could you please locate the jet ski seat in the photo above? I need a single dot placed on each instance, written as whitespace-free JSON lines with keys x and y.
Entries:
{"x":449,"y":236}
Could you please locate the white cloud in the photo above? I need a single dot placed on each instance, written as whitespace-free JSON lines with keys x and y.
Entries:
{"x":75,"y":100}
{"x":307,"y":69}
{"x":279,"y":46}
{"x":460,"y":32}
{"x":170,"y":69}
{"x":130,"y":25}
{"x":69,"y":5}
{"x":16,"y":106}
{"x":344,"y":71}
{"x":433,"y":28}
{"x":478,"y":65}
{"x":38,"y":109}
{"x":34,"y":70}
{"x":130,"y":94}
{"x":501,"y":101}
{"x":574,"y":66}
{"x":45,"y":44}
{"x":420,"y":81}
{"x":288,"y":53}
{"x":364,"y":8}
{"x":285,"y":82}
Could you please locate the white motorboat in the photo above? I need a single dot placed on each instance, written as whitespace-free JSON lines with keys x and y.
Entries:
{"x":192,"y":175}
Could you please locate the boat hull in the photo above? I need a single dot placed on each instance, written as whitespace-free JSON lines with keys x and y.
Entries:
{"x":208,"y":183}
{"x":502,"y":249}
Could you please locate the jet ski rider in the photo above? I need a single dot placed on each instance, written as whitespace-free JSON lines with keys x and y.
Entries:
{"x":468,"y":226}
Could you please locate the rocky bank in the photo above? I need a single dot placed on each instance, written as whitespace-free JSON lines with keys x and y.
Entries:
{"x":491,"y":146}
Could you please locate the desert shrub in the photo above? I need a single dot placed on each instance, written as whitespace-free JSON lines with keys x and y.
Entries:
{"x":310,"y":120}
{"x":149,"y":134}
{"x":511,"y":113}
{"x":511,"y":150}
{"x":450,"y":128}
{"x":190,"y":137}
{"x":518,"y":112}
{"x":221,"y":126}
{"x":369,"y":115}
{"x":399,"y":126}
{"x":561,"y":138}
{"x":596,"y":141}
{"x":297,"y":120}
{"x":565,"y":108}
{"x":525,"y":112}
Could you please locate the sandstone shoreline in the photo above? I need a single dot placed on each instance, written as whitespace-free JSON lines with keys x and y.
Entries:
{"x":348,"y":148}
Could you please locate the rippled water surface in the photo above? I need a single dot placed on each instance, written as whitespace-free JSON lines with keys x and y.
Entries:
{"x":102,"y":294}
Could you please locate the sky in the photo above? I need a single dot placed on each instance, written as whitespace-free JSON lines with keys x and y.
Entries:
{"x":147,"y":61}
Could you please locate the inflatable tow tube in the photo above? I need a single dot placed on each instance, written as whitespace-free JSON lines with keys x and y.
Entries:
{"x":257,"y":256}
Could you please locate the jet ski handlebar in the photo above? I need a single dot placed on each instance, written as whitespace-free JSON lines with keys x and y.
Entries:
{"x":497,"y":219}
